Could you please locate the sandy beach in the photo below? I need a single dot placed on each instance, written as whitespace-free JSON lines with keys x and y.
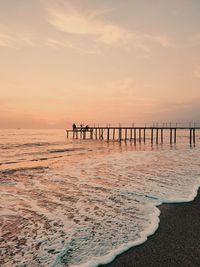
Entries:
{"x":176,"y":242}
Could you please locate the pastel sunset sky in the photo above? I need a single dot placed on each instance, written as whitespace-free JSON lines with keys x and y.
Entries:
{"x":98,"y":61}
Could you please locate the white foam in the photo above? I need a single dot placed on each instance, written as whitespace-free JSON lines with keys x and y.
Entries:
{"x":97,"y":204}
{"x":112,"y":255}
{"x":95,"y":262}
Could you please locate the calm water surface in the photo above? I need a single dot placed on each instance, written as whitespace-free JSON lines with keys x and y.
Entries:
{"x":65,"y":203}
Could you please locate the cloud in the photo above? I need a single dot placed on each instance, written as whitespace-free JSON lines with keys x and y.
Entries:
{"x":72,"y":21}
{"x":84,"y":30}
{"x":6,"y":40}
{"x":93,"y":26}
{"x":17,"y":40}
{"x":161,"y":39}
{"x":63,"y":43}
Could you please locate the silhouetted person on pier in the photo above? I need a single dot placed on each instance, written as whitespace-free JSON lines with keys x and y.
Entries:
{"x":74,"y":126}
{"x":87,"y":127}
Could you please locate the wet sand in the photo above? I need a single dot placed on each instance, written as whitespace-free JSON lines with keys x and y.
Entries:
{"x":176,"y":242}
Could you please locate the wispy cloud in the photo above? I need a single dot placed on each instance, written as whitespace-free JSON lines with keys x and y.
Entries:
{"x":161,"y":39}
{"x":94,"y":26}
{"x":73,"y":21}
{"x":6,"y":40}
{"x":84,"y":31}
{"x":64,"y":44}
{"x":17,"y":40}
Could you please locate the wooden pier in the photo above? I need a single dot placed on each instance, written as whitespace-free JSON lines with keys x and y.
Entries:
{"x":155,"y":134}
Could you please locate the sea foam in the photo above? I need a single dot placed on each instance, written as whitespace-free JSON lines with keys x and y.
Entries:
{"x":91,"y":204}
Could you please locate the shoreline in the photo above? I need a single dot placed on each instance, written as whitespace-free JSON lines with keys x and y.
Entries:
{"x":175,"y":243}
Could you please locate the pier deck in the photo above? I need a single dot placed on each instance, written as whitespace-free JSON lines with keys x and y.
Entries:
{"x":136,"y":134}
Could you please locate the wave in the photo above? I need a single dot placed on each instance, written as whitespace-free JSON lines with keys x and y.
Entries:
{"x":12,"y":171}
{"x":64,"y":150}
{"x":34,"y":144}
{"x":89,"y":202}
{"x":44,"y":155}
{"x":47,"y":158}
{"x":152,"y":228}
{"x":113,"y":254}
{"x":8,"y":162}
{"x":31,"y":160}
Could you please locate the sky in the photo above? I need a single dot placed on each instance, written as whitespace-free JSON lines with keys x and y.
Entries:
{"x":98,"y":61}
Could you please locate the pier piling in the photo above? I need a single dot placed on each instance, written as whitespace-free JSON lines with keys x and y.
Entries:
{"x":152,"y":136}
{"x":194,"y":136}
{"x":135,"y":136}
{"x":130,"y":133}
{"x":125,"y":134}
{"x":170,"y":135}
{"x":157,"y":136}
{"x":140,"y":139}
{"x":161,"y":136}
{"x":108,"y":134}
{"x":175,"y":136}
{"x":114,"y":134}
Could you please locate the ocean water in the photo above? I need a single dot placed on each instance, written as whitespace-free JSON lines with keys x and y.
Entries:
{"x":82,"y":202}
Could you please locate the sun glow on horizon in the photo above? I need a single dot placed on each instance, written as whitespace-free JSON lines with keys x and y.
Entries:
{"x":98,"y":62}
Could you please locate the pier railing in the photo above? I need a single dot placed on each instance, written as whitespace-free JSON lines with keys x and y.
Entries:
{"x":138,"y":134}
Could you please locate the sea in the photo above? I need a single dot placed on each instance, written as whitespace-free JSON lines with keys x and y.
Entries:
{"x":66,"y":202}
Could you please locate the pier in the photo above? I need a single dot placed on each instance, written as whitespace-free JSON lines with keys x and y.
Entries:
{"x":140,"y":134}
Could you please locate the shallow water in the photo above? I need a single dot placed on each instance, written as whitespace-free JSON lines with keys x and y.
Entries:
{"x":81,"y":202}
